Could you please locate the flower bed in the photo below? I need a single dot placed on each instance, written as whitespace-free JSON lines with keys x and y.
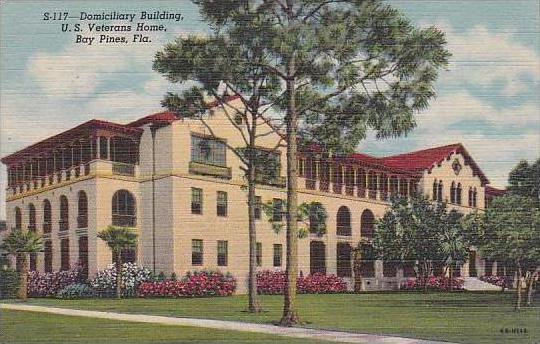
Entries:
{"x":273,"y":282}
{"x":132,"y":275}
{"x":499,"y":281}
{"x":76,"y":291}
{"x":433,"y":283}
{"x":193,"y":284}
{"x":50,"y":283}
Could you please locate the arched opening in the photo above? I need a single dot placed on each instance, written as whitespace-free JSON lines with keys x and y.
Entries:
{"x":458,"y":194}
{"x":317,"y":257}
{"x":83,"y":256}
{"x":64,"y":213}
{"x":18,"y":218}
{"x":48,"y":256}
{"x":435,"y":188}
{"x":123,"y":209}
{"x":440,"y":191}
{"x":343,"y":259}
{"x":64,"y":254}
{"x":367,"y":224}
{"x":474,"y":197}
{"x":343,"y":221}
{"x":453,"y":193}
{"x":361,"y":182}
{"x":470,"y":197}
{"x":31,"y":217}
{"x":367,"y":263}
{"x":82,"y":215}
{"x":47,"y":215}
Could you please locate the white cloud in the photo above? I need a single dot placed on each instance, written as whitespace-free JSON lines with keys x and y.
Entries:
{"x":483,"y":57}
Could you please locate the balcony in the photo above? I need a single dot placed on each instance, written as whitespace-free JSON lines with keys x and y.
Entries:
{"x":338,"y":188}
{"x":124,"y":220}
{"x":210,"y":170}
{"x":311,"y":184}
{"x":276,"y":181}
{"x":349,"y":190}
{"x":123,"y":169}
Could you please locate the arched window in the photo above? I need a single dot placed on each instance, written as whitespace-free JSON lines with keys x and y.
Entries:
{"x":458,"y":194}
{"x":343,"y":221}
{"x":31,"y":217}
{"x":367,"y":224}
{"x":64,"y":213}
{"x":470,"y":197}
{"x":18,"y":218}
{"x":317,"y":257}
{"x":435,"y":188}
{"x":123,"y":209}
{"x":82,"y":215}
{"x":474,"y":197}
{"x":453,"y":193}
{"x":48,"y":256}
{"x":440,"y":191}
{"x":47,"y":214}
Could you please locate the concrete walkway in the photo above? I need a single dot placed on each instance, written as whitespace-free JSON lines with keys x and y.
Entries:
{"x":333,"y":336}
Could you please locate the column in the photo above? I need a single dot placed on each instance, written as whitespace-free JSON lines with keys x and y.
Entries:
{"x":354,"y":186}
{"x":408,"y":188}
{"x":108,"y":148}
{"x":98,"y":148}
{"x":378,"y":194}
{"x":399,"y":185}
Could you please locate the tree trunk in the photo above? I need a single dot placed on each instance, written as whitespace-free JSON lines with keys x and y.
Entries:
{"x":254,"y":306}
{"x":530,"y":282}
{"x":23,"y":276}
{"x":425,"y":276}
{"x":118,"y":274}
{"x":290,"y":315}
{"x":450,"y":277}
{"x":518,"y":290}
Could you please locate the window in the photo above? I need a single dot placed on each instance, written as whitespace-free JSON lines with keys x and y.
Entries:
{"x":196,"y":201}
{"x":64,"y":213}
{"x":440,"y":192}
{"x":458,"y":194}
{"x":268,"y":165}
{"x":82,"y":216}
{"x":453,"y":193}
{"x":470,"y":197}
{"x":208,"y":151}
{"x":343,"y":221}
{"x":48,"y":256}
{"x":103,"y":147}
{"x":123,"y":209}
{"x":343,"y":256}
{"x":474,"y":197}
{"x":221,"y":203}
{"x":83,"y":256}
{"x":222,"y":252}
{"x":277,"y":210}
{"x":18,"y":218}
{"x":278,"y":254}
{"x":47,"y":216}
{"x":64,"y":254}
{"x":367,"y":224}
{"x":258,"y":254}
{"x":258,"y":206}
{"x":31,"y":217}
{"x":196,"y":252}
{"x":435,"y":188}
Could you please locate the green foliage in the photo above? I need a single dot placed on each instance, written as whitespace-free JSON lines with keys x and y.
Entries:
{"x":119,"y":238}
{"x":422,"y":231}
{"x":76,"y":291}
{"x":512,"y":227}
{"x":524,"y":180}
{"x":311,"y":218}
{"x":9,"y":284}
{"x":173,"y":277}
{"x":22,"y":242}
{"x":160,"y":277}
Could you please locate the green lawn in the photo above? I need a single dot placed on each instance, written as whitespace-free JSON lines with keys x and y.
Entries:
{"x":30,"y":327}
{"x":458,"y":317}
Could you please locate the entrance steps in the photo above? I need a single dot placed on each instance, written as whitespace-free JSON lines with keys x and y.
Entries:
{"x":474,"y":284}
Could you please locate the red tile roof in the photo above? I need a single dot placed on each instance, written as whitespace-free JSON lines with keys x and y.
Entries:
{"x":165,"y":117}
{"x":81,"y":129}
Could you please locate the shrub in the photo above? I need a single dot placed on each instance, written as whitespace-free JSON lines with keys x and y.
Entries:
{"x":499,"y":281}
{"x":50,"y":283}
{"x":132,"y":275}
{"x":76,"y":291}
{"x":9,"y":283}
{"x":273,"y":282}
{"x":193,"y":284}
{"x":173,"y":277}
{"x":433,"y":284}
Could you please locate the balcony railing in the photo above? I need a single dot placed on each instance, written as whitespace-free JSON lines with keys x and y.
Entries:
{"x":63,"y":225}
{"x":124,"y":220}
{"x":361,"y":192}
{"x":82,"y":221}
{"x":277,"y":181}
{"x":349,"y":190}
{"x":372,"y":194}
{"x":310,"y":184}
{"x":338,"y":188}
{"x":210,"y":170}
{"x":123,"y":169}
{"x":324,"y":186}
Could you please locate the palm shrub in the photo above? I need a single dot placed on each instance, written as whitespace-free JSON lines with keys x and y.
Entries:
{"x":20,"y":244}
{"x":118,"y":239}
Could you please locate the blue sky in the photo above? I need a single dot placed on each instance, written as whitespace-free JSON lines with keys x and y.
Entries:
{"x":489,"y":99}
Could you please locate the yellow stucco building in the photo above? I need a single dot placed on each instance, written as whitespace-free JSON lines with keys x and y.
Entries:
{"x":179,"y":185}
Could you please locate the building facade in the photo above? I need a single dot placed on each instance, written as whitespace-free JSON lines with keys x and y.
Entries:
{"x":177,"y":182}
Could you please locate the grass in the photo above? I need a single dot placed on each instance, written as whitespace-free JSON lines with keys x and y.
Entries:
{"x":29,"y":327}
{"x":457,"y":317}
